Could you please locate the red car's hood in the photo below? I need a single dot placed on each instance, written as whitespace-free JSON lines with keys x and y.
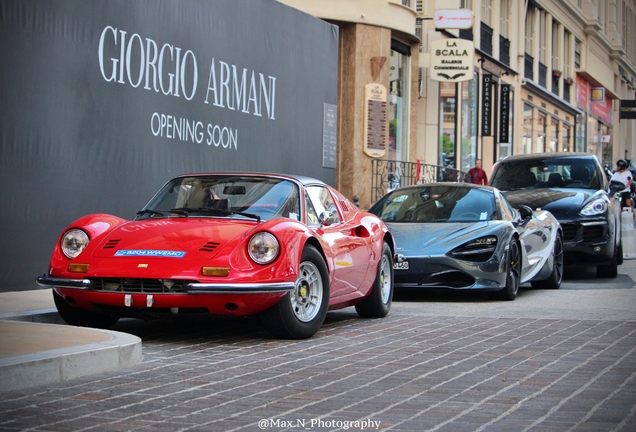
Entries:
{"x":189,"y":238}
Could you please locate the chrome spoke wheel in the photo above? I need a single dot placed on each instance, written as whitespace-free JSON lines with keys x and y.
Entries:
{"x":385,"y":279}
{"x":306,"y":298}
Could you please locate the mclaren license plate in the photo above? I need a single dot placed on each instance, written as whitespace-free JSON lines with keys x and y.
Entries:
{"x":403,"y":265}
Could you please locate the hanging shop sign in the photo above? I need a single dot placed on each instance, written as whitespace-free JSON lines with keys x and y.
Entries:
{"x":504,"y":113}
{"x":375,"y":120}
{"x":452,"y":60}
{"x":628,"y":109}
{"x":453,"y":19}
{"x":486,"y":105}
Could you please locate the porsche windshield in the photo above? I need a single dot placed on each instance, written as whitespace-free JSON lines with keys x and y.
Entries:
{"x":570,"y":172}
{"x":436,"y":204}
{"x":223,"y":196}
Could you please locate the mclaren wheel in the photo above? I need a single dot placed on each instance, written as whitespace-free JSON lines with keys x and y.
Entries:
{"x":82,"y":317}
{"x":302,"y":311}
{"x":513,"y":272}
{"x":378,"y":303}
{"x":556,"y":277}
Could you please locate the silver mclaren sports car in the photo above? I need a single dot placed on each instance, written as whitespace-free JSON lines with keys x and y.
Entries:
{"x":464,"y":236}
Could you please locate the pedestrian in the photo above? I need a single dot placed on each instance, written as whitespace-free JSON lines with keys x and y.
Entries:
{"x":623,"y":175}
{"x":477,"y":174}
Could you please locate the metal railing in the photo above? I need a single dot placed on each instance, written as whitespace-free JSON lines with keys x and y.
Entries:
{"x":388,"y":175}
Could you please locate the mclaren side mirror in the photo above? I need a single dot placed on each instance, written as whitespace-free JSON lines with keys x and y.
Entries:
{"x":525,"y":212}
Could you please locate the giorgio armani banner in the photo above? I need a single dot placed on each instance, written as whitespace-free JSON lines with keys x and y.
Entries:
{"x":103,"y":101}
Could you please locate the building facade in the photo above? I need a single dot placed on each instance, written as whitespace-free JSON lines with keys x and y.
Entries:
{"x":549,"y":76}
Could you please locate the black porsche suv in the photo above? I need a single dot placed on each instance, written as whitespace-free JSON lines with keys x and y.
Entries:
{"x":575,"y":189}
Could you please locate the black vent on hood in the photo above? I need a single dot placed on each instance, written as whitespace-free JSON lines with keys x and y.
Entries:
{"x":110,"y":244}
{"x":209,"y":246}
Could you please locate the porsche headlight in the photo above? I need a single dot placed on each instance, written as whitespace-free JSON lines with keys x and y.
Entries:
{"x":263,"y":248}
{"x":478,"y":250}
{"x":594,"y":208}
{"x":74,"y":242}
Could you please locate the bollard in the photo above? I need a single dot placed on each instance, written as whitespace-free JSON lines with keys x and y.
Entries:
{"x":627,"y":227}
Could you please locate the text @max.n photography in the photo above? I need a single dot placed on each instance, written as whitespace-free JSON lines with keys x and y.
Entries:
{"x":309,"y":424}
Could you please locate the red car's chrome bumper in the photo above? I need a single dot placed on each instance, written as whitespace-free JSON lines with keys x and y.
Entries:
{"x":192,"y":288}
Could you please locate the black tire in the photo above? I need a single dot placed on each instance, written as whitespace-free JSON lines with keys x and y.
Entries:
{"x":378,"y":303}
{"x":556,"y":277}
{"x":620,"y":258}
{"x":609,"y":271}
{"x":513,"y":272}
{"x":302,"y":311}
{"x":81,"y":317}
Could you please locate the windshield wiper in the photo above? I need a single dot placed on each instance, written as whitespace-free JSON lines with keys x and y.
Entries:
{"x":186,"y":211}
{"x":150,"y":212}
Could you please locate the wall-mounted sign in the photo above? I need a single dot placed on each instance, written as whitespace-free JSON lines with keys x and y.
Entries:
{"x":376,"y":130}
{"x":486,"y":105}
{"x":628,"y":109}
{"x":598,"y":94}
{"x":504,"y":113}
{"x":452,"y":60}
{"x":329,"y":135}
{"x":453,"y":19}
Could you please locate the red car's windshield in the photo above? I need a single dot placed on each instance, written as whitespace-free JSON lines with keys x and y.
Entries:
{"x":213,"y":196}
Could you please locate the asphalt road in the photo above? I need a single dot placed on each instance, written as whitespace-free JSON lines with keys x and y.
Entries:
{"x":557,"y":360}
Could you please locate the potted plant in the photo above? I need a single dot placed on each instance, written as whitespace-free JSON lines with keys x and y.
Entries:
{"x":569,"y":81}
{"x":557,"y":73}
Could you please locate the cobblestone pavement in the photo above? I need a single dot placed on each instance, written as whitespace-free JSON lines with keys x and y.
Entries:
{"x":403,"y":373}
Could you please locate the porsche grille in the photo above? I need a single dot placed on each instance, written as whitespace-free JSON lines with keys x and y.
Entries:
{"x":137,"y":286}
{"x":574,"y":232}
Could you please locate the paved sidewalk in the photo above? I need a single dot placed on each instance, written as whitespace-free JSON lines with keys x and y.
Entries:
{"x":35,"y":349}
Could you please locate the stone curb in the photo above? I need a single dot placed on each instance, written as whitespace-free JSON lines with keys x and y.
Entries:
{"x":121,"y":350}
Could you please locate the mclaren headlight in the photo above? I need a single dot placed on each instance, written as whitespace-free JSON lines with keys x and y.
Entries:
{"x":594,"y":208}
{"x":477,"y":250}
{"x":73,"y":242}
{"x":263,"y":248}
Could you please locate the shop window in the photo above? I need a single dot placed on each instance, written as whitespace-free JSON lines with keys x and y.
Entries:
{"x":567,"y":138}
{"x":399,"y":101}
{"x":542,"y":131}
{"x":528,"y":129}
{"x":448,"y":110}
{"x":554,"y":135}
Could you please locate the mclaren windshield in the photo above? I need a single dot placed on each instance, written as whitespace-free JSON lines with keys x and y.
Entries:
{"x":436,"y":204}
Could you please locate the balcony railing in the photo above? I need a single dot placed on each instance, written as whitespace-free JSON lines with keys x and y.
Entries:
{"x":504,"y":50}
{"x":528,"y":67}
{"x":543,"y":75}
{"x":388,"y":175}
{"x":486,"y":39}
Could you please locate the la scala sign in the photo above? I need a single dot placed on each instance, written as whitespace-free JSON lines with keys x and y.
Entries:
{"x":452,"y":60}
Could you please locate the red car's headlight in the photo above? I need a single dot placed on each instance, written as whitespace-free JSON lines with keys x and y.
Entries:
{"x":263,"y":248}
{"x":74,"y":242}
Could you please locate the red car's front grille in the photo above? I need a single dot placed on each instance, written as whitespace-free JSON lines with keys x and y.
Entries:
{"x":140,"y":286}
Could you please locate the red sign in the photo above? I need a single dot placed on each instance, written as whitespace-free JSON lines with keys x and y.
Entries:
{"x":582,"y":92}
{"x":603,"y":109}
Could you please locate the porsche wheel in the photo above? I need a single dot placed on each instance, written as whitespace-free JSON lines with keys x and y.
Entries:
{"x":513,"y":272}
{"x":80,"y":317}
{"x":554,"y":281}
{"x":302,"y":311}
{"x":610,"y":270}
{"x":378,"y":303}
